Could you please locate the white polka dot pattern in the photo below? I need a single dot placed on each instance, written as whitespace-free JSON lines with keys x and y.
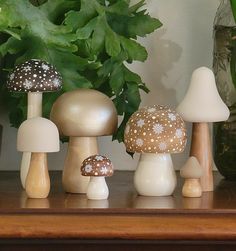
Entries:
{"x":155,"y":129}
{"x":34,"y":76}
{"x":97,"y":165}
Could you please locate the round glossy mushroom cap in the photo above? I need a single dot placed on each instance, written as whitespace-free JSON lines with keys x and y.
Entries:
{"x":202,"y":102}
{"x":97,"y":165}
{"x":38,"y":135}
{"x":191,"y":169}
{"x":155,"y":129}
{"x":84,"y":113}
{"x":34,"y":76}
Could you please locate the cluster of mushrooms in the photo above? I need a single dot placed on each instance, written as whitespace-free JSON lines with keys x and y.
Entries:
{"x":155,"y":132}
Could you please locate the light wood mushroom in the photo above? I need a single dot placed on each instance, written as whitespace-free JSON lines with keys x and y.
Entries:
{"x":202,"y":104}
{"x":97,"y":167}
{"x":83,"y":115}
{"x":39,"y":136}
{"x":33,"y":77}
{"x":191,"y":172}
{"x":155,"y":132}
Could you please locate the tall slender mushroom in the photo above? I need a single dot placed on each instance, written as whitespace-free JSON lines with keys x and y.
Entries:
{"x":38,"y":136}
{"x":34,"y":77}
{"x":202,"y":104}
{"x":155,"y":132}
{"x":82,"y":115}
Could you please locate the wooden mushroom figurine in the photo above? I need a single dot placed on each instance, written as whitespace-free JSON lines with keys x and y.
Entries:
{"x":97,"y":167}
{"x":155,"y":132}
{"x":202,"y":104}
{"x":191,"y":172}
{"x":38,"y":136}
{"x":83,"y":115}
{"x":34,"y":77}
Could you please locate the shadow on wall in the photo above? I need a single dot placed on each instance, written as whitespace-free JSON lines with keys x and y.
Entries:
{"x":1,"y":130}
{"x":163,"y":55}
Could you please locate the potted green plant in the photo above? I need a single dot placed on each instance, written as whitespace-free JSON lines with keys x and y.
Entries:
{"x":224,"y":65}
{"x":90,"y":42}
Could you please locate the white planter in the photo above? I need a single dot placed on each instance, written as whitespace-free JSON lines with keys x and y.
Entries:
{"x":155,"y":175}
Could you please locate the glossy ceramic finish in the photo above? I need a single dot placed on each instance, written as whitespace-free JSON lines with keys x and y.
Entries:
{"x":155,"y":175}
{"x":97,"y":189}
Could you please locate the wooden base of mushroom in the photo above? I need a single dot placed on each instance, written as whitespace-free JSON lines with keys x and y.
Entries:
{"x":201,"y":149}
{"x":192,"y":188}
{"x":37,"y":183}
{"x":155,"y":175}
{"x":79,"y":148}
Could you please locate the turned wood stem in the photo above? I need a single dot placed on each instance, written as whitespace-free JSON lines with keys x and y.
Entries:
{"x":37,"y":183}
{"x":34,"y":109}
{"x":192,"y":188}
{"x":79,"y":148}
{"x":201,"y":149}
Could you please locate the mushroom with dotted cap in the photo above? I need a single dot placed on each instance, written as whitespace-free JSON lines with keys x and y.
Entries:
{"x":202,"y":104}
{"x":83,"y":115}
{"x":38,"y":136}
{"x":191,"y":172}
{"x":97,"y":167}
{"x":155,"y":132}
{"x":34,"y":77}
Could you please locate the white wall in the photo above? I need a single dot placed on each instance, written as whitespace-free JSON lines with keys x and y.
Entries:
{"x":183,"y":44}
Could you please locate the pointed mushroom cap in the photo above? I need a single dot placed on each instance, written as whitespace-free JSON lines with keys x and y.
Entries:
{"x":202,"y":102}
{"x":38,"y":135}
{"x":34,"y":76}
{"x":84,"y":113}
{"x":155,"y":129}
{"x":97,"y":165}
{"x":191,"y":169}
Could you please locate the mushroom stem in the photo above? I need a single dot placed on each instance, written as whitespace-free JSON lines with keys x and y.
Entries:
{"x":97,"y":189}
{"x":192,"y":188}
{"x":155,"y":175}
{"x":201,"y":149}
{"x":79,"y":148}
{"x":34,"y":109}
{"x":37,"y":183}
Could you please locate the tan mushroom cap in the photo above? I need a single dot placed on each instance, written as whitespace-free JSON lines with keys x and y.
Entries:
{"x":84,"y":113}
{"x":191,"y":169}
{"x":97,"y":165}
{"x":38,"y":135}
{"x":155,"y":129}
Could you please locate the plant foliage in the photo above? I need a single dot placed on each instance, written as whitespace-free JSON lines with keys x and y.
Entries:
{"x":90,"y":42}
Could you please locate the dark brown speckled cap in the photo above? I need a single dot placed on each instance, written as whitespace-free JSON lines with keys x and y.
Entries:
{"x":34,"y":76}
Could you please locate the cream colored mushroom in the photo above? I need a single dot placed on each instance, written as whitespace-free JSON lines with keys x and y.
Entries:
{"x":202,"y":104}
{"x":97,"y":167}
{"x":83,"y":115}
{"x":39,"y":136}
{"x":155,"y":132}
{"x":192,"y":173}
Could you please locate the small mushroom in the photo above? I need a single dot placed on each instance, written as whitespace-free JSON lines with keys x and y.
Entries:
{"x":191,"y":172}
{"x":155,"y":132}
{"x":38,"y":136}
{"x":97,"y":167}
{"x":34,"y":77}
{"x":202,"y":104}
{"x":83,"y":115}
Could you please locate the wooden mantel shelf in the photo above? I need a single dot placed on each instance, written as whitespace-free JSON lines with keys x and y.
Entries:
{"x":125,"y":216}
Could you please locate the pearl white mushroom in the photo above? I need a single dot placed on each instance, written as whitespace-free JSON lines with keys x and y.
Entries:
{"x":191,"y":172}
{"x":33,"y":77}
{"x":155,"y":132}
{"x":97,"y":167}
{"x":83,"y":115}
{"x":38,"y":136}
{"x":202,"y":104}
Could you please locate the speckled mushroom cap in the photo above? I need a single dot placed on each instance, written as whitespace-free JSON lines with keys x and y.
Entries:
{"x":191,"y":169}
{"x":155,"y":129}
{"x":34,"y":76}
{"x":97,"y":165}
